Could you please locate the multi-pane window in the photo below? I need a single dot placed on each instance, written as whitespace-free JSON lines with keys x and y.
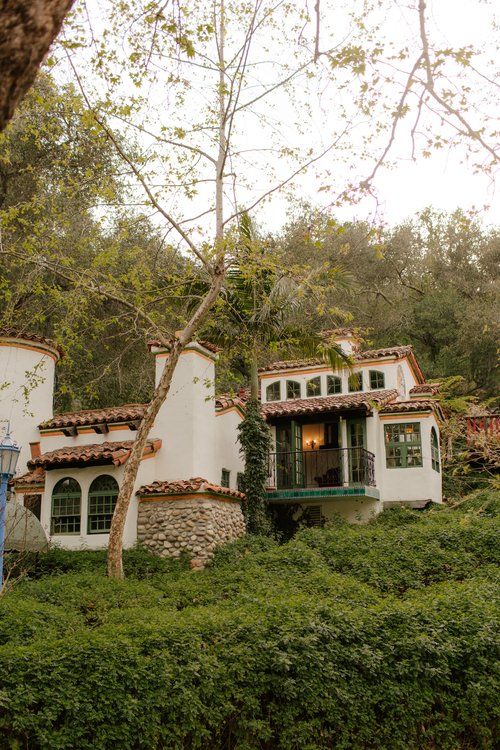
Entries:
{"x":102,"y":500}
{"x":313,"y":387}
{"x":377,"y":379}
{"x":333,"y":385}
{"x":403,"y":445}
{"x":434,"y":449}
{"x":66,"y":507}
{"x":225,"y":478}
{"x":292,"y":389}
{"x":273,"y":391}
{"x":355,"y":381}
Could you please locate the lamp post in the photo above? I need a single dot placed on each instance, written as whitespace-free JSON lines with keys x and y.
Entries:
{"x":9,"y":453}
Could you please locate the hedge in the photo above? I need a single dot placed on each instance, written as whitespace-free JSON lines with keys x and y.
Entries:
{"x":303,"y":646}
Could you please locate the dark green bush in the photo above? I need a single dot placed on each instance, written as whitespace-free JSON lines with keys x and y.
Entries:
{"x":138,"y":563}
{"x":377,"y":637}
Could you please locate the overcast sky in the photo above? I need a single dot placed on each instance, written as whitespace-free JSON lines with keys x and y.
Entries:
{"x":445,"y":180}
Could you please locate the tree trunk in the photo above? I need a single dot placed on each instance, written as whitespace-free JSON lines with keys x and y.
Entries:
{"x":115,"y":544}
{"x":27,"y":29}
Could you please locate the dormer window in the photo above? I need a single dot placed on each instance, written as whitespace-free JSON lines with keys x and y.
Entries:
{"x":355,"y":382}
{"x":292,"y":389}
{"x":313,"y":387}
{"x":377,"y":379}
{"x":333,"y":385}
{"x":273,"y":391}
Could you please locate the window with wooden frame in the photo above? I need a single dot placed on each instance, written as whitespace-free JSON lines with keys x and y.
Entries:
{"x":403,"y":445}
{"x":434,"y":449}
{"x":355,"y":382}
{"x":377,"y":379}
{"x":273,"y":391}
{"x":225,"y":478}
{"x":102,"y":500}
{"x":292,"y":389}
{"x":333,"y":385}
{"x":66,"y":507}
{"x":313,"y":387}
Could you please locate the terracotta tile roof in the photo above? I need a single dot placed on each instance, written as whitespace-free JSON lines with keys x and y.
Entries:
{"x":205,"y":344}
{"x":322,"y":404}
{"x":108,"y":415}
{"x":415,"y":405}
{"x":30,"y":479}
{"x":188,"y":487}
{"x":227,"y":401}
{"x":392,"y":351}
{"x":115,"y":453}
{"x":14,"y":333}
{"x":425,"y":388}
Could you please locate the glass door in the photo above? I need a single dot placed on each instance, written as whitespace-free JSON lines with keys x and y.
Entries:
{"x":298,"y":456}
{"x":356,"y":438}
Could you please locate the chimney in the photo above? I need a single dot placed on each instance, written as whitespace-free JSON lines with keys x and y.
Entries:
{"x":35,"y":450}
{"x":186,"y":421}
{"x":348,"y":339}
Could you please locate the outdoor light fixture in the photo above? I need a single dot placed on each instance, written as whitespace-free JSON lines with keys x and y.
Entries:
{"x":9,"y":453}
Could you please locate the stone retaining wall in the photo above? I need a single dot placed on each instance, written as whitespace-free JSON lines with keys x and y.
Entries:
{"x":195,"y":526}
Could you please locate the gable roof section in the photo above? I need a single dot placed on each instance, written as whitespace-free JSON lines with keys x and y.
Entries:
{"x":396,"y":352}
{"x":191,"y":486}
{"x":88,"y":417}
{"x":301,"y":406}
{"x":109,"y":453}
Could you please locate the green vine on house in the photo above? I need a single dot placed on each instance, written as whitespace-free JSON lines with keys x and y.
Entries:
{"x":255,"y":442}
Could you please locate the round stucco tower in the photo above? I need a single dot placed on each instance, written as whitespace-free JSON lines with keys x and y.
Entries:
{"x":27,"y":374}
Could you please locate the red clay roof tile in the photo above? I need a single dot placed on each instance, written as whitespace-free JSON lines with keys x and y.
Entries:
{"x":391,"y":351}
{"x":322,"y":404}
{"x":90,"y":455}
{"x":7,"y":332}
{"x":415,"y":405}
{"x":187,"y":487}
{"x":107,"y":415}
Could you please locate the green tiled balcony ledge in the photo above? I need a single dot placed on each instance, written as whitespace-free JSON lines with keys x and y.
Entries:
{"x":322,"y":492}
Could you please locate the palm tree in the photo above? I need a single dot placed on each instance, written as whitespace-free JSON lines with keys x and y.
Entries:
{"x":265,"y":308}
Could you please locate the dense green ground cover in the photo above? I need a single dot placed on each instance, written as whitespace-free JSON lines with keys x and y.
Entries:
{"x":382,"y":636}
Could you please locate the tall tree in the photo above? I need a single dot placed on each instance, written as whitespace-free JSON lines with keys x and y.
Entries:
{"x":27,"y":29}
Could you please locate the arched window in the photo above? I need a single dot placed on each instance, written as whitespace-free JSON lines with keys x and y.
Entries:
{"x":333,"y":385}
{"x":273,"y":391}
{"x":66,"y":507}
{"x":313,"y":387}
{"x":355,"y":381}
{"x":434,"y":449}
{"x":377,"y":379}
{"x":102,"y":500}
{"x":292,"y":389}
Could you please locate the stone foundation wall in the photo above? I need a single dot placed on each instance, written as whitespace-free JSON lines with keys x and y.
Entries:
{"x":195,"y":526}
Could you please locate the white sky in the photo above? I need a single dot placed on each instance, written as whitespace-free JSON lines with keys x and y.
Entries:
{"x":444,"y":180}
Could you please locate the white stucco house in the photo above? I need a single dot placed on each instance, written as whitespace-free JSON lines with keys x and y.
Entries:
{"x":343,"y":442}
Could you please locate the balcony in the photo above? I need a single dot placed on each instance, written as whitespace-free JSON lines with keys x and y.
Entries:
{"x":320,"y":469}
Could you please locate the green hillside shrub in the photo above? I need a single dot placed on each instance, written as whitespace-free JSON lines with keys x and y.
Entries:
{"x":378,"y":637}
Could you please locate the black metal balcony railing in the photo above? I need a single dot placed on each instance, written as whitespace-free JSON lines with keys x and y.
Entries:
{"x":331,"y":467}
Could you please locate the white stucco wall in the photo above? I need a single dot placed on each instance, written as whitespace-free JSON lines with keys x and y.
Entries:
{"x":389,"y":368}
{"x":85,"y":476}
{"x":187,"y":421}
{"x":419,"y":483}
{"x":228,"y":446}
{"x":26,"y":393}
